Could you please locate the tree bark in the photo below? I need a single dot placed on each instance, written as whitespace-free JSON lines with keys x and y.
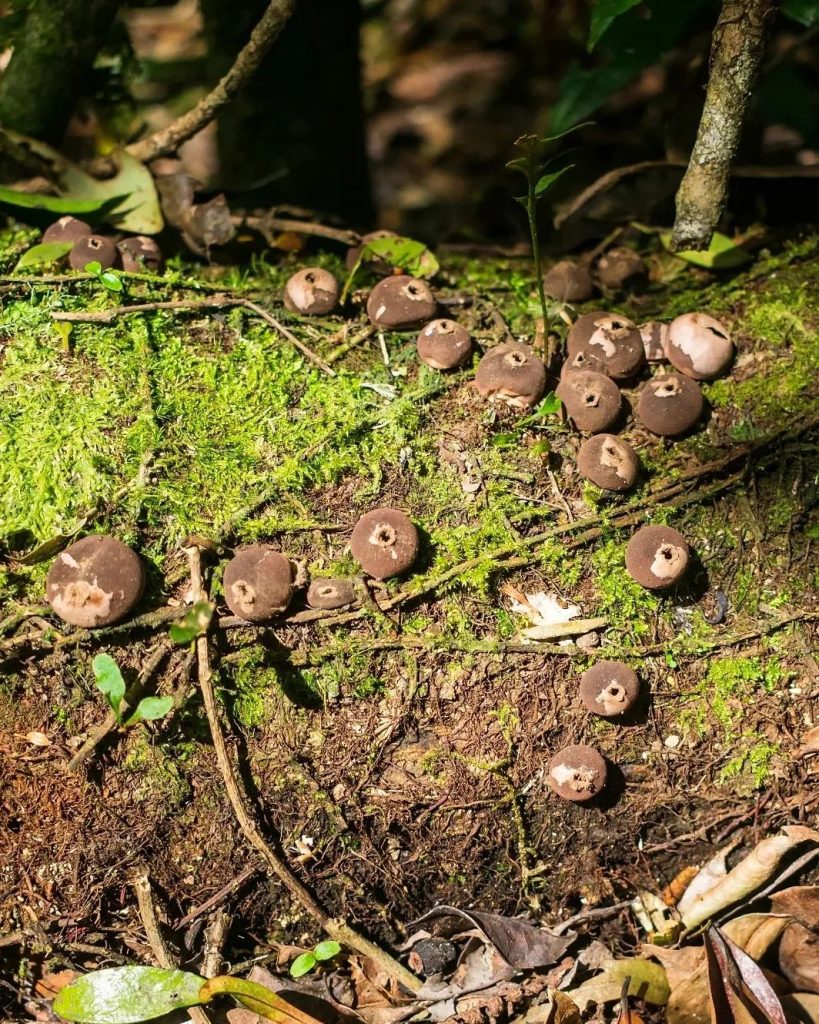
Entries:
{"x":51,"y":65}
{"x":737,"y":51}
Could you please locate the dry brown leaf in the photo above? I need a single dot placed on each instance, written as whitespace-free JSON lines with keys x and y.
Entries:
{"x":50,"y":984}
{"x":801,"y":902}
{"x":647,"y":981}
{"x":558,"y":1009}
{"x":38,"y":739}
{"x":801,"y":1008}
{"x":740,"y":992}
{"x":710,"y":875}
{"x":810,"y":743}
{"x":679,"y":963}
{"x":799,"y":957}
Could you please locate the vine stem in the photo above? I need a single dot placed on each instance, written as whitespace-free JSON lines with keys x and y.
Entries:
{"x":531,"y":212}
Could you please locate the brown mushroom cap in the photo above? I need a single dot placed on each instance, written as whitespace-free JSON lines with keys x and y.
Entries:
{"x":577,"y":773}
{"x":669,"y":404}
{"x":312,"y":291}
{"x":444,"y":345}
{"x":92,"y":248}
{"x":66,"y":229}
{"x":96,"y":581}
{"x":657,"y":557}
{"x":139,"y":253}
{"x":401,"y":302}
{"x":621,"y":268}
{"x":568,"y":281}
{"x":384,"y":543}
{"x":592,"y":400}
{"x":258,"y":582}
{"x":512,"y":372}
{"x":608,"y":462}
{"x":655,"y":338}
{"x":699,"y":346}
{"x":609,"y":688}
{"x":608,"y":341}
{"x":373,"y":263}
{"x":328,"y":593}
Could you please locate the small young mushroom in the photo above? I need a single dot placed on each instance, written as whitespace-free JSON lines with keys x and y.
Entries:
{"x":329,"y":593}
{"x":657,"y":557}
{"x":312,"y":291}
{"x":669,"y":404}
{"x":608,"y":462}
{"x":401,"y":302}
{"x":592,"y":400}
{"x":577,"y":773}
{"x":444,"y":345}
{"x":609,"y":688}
{"x":655,"y":338}
{"x":95,"y":581}
{"x":258,"y":582}
{"x":375,"y":264}
{"x":621,"y":268}
{"x":512,"y":372}
{"x":699,"y":346}
{"x":67,"y":229}
{"x":568,"y":281}
{"x":608,"y":341}
{"x":140,"y":253}
{"x":93,"y":248}
{"x":384,"y":543}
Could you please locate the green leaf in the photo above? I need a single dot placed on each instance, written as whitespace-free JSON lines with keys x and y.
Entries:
{"x":93,"y":267}
{"x":150,"y":709}
{"x":122,"y":995}
{"x":302,"y":965}
{"x":43,"y":254}
{"x":326,"y":950}
{"x":111,"y":280}
{"x":109,"y":681}
{"x":548,"y":180}
{"x":54,"y":204}
{"x":505,"y":440}
{"x":722,"y":254}
{"x":411,"y":256}
{"x":194,"y":624}
{"x":806,"y":12}
{"x":604,"y":13}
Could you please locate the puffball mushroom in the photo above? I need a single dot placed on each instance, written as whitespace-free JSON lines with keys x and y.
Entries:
{"x":611,"y":343}
{"x":312,"y":291}
{"x":669,"y":404}
{"x":655,"y":338}
{"x":401,"y":302}
{"x":374,"y":263}
{"x":66,"y":229}
{"x":568,"y":281}
{"x":608,"y":462}
{"x":609,"y":688}
{"x":621,"y":268}
{"x":258,"y":582}
{"x":384,"y":543}
{"x":95,"y":582}
{"x":577,"y":773}
{"x":444,"y":345}
{"x":657,"y":557}
{"x":512,"y":372}
{"x":330,"y":593}
{"x":592,"y":400}
{"x":139,"y":253}
{"x":699,"y":346}
{"x":91,"y":248}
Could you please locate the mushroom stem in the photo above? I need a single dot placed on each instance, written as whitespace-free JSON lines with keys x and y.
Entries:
{"x":737,"y":51}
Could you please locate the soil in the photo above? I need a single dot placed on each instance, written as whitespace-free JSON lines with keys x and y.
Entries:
{"x":397,"y":759}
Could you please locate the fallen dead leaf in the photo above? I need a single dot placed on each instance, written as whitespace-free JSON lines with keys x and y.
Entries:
{"x":810,"y":743}
{"x":712,"y":872}
{"x":739,"y":990}
{"x":801,"y":1008}
{"x":799,"y":957}
{"x":801,"y":902}
{"x":648,"y":981}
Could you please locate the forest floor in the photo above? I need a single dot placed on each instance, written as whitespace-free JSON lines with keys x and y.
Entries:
{"x":396,"y":756}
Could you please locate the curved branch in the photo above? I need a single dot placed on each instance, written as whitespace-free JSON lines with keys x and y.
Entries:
{"x":168,"y":140}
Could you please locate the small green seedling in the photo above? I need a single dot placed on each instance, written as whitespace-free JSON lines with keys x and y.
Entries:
{"x":196,"y":622}
{"x":109,"y":279}
{"x":318,"y":954}
{"x":414,"y":258}
{"x":548,"y":407}
{"x":112,"y":685}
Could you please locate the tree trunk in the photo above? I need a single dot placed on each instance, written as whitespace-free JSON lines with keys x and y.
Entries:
{"x":51,"y":64}
{"x":736,"y":55}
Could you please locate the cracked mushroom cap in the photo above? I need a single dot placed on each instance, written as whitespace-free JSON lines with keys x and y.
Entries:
{"x":93,"y":247}
{"x":655,"y":338}
{"x":577,"y":773}
{"x":328,"y":593}
{"x":592,"y":400}
{"x":699,"y":346}
{"x":670,"y":404}
{"x":444,"y":345}
{"x":608,"y":462}
{"x":95,"y":582}
{"x":621,"y":268}
{"x":511,"y":371}
{"x":139,"y":253}
{"x":311,"y":291}
{"x":258,"y":582}
{"x":657,"y":557}
{"x":401,"y":302}
{"x":609,"y":342}
{"x":66,"y":229}
{"x":609,"y":688}
{"x":568,"y":281}
{"x":384,"y":543}
{"x":374,"y":263}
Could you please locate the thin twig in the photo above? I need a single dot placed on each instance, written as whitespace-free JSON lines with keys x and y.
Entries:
{"x":270,"y":319}
{"x":215,"y":935}
{"x":219,"y":897}
{"x":267,"y":224}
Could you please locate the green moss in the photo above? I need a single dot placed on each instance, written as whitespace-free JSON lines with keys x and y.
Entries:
{"x":159,"y":778}
{"x":627,"y":605}
{"x":752,"y":765}
{"x":717,"y":701}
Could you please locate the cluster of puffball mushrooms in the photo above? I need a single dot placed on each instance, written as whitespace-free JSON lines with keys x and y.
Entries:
{"x":98,"y":580}
{"x":134,"y":254}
